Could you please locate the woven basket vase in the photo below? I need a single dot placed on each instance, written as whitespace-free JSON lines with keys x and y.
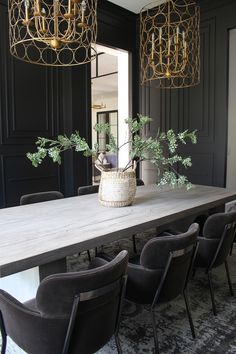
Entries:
{"x":117,"y":188}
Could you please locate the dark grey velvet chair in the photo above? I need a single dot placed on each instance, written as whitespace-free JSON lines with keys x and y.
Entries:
{"x":139,"y":182}
{"x":162,"y":271}
{"x":231,"y":209}
{"x":91,"y":189}
{"x":215,"y":245}
{"x":72,"y":312}
{"x":40,"y":197}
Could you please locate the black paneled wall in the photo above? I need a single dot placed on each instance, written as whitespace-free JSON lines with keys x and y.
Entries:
{"x":29,"y":108}
{"x":39,"y":101}
{"x":203,"y":107}
{"x":42,"y":101}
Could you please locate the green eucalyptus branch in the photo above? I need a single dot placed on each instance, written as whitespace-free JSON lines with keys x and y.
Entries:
{"x":160,"y":150}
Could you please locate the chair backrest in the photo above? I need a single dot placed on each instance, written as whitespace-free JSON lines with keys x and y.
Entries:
{"x":88,"y":189}
{"x":40,"y":197}
{"x":176,"y":274}
{"x":112,"y":159}
{"x":231,"y":207}
{"x":173,"y":255}
{"x":139,"y":182}
{"x":219,"y":232}
{"x":98,"y":292}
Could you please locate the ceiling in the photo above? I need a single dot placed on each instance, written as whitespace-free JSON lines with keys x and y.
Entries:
{"x":135,"y":5}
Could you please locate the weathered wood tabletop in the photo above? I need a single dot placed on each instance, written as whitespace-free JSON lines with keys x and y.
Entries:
{"x":37,"y":234}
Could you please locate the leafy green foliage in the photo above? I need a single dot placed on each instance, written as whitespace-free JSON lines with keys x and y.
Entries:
{"x":160,"y":151}
{"x":54,"y":148}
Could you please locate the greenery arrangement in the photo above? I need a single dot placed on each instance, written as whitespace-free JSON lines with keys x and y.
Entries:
{"x":160,"y":151}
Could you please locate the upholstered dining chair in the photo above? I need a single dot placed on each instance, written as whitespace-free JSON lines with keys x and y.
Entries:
{"x":88,"y":189}
{"x":161,"y":272}
{"x":40,"y":197}
{"x":72,"y":312}
{"x":231,"y":208}
{"x":139,"y":182}
{"x":214,"y":247}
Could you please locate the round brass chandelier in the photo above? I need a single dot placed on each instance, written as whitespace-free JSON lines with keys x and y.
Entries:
{"x":170,"y":44}
{"x":53,"y":32}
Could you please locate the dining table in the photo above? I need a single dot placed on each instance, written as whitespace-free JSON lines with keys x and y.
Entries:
{"x":35,"y":239}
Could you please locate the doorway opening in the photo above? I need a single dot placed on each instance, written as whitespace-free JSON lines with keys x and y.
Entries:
{"x":110,"y":103}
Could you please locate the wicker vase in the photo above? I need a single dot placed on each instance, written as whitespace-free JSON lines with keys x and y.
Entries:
{"x":117,"y":188}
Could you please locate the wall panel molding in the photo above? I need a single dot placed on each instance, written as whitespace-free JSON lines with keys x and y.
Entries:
{"x":200,"y":100}
{"x":27,"y":178}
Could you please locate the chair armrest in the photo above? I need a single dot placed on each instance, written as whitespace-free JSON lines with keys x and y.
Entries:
{"x":201,"y":238}
{"x":10,"y":301}
{"x":169,"y":232}
{"x":97,"y":262}
{"x":29,"y":329}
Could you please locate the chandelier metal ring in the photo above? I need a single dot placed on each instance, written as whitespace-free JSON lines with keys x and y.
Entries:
{"x":58,"y":33}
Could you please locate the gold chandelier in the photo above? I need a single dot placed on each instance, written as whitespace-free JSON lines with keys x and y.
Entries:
{"x":99,"y":105}
{"x":170,"y":44}
{"x":53,"y":32}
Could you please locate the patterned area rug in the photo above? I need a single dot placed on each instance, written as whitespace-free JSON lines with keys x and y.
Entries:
{"x":215,"y":335}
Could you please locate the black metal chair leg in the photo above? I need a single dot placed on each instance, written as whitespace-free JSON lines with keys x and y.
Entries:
{"x":118,"y":346}
{"x":189,"y":313}
{"x":3,"y":334}
{"x":231,"y":249}
{"x":4,"y":345}
{"x":156,"y":343}
{"x":134,"y":243}
{"x":89,"y":255}
{"x":194,"y":272}
{"x":228,"y":277}
{"x":212,"y":294}
{"x":232,"y":246}
{"x":71,"y":324}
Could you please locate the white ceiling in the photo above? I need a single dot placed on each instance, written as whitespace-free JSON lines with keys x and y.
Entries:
{"x":135,"y":5}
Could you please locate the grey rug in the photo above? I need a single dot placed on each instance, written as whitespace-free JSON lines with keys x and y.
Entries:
{"x":214,"y":334}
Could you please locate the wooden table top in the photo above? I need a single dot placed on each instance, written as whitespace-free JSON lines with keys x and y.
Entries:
{"x":37,"y":234}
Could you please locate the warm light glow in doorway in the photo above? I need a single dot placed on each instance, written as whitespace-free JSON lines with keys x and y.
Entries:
{"x":110,"y":93}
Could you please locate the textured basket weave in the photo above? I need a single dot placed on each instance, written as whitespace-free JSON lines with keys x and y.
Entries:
{"x":117,"y":188}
